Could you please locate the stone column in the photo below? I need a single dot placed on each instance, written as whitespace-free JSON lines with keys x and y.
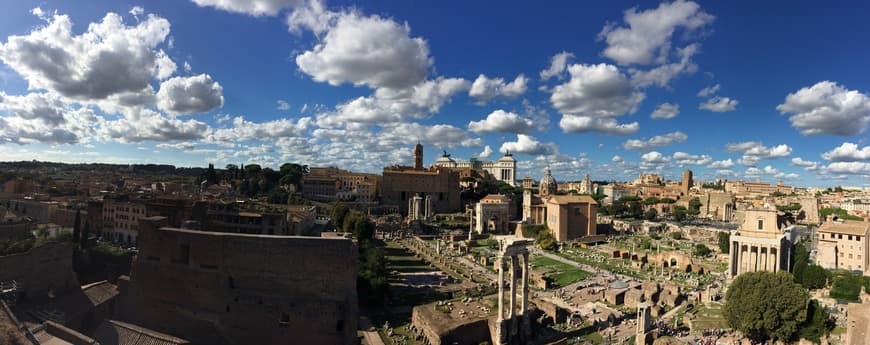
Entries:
{"x":762,"y":252}
{"x":732,"y":266}
{"x":778,"y":261}
{"x":513,"y":297}
{"x":500,"y":263}
{"x":524,"y":302}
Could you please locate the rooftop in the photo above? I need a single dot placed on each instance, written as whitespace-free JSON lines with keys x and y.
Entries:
{"x":567,"y":199}
{"x":122,"y":333}
{"x":849,"y":227}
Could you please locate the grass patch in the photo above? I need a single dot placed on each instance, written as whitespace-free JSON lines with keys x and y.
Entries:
{"x":847,"y":287}
{"x":560,"y":274}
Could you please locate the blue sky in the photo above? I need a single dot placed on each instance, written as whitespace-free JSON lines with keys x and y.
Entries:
{"x":736,"y":90}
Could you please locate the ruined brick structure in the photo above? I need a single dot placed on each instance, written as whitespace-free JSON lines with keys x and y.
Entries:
{"x":225,"y":288}
{"x":43,"y":269}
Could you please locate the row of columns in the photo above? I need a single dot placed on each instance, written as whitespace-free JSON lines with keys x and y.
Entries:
{"x":512,"y":317}
{"x":751,"y":257}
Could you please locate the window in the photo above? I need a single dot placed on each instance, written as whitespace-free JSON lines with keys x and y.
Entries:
{"x":823,"y":236}
{"x":857,"y":238}
{"x":850,"y":237}
{"x":760,"y":224}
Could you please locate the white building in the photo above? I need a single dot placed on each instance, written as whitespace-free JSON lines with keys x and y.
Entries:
{"x":504,"y":169}
{"x":492,"y":214}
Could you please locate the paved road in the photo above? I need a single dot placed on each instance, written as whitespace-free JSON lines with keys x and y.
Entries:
{"x":370,"y":334}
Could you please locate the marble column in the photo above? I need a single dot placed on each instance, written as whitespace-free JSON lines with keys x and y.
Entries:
{"x":513,"y":306}
{"x":524,"y":302}
{"x":500,"y":263}
{"x":732,"y":266}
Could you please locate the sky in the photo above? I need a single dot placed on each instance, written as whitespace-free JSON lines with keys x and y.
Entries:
{"x":734,"y":90}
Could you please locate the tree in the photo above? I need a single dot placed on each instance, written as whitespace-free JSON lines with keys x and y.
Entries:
{"x":695,"y":206}
{"x":766,"y":306}
{"x":650,"y":214}
{"x":84,"y":235}
{"x":679,"y":213}
{"x":701,"y":250}
{"x":676,"y":235}
{"x":211,"y":175}
{"x":651,"y":201}
{"x":818,"y":324}
{"x":252,"y":170}
{"x":292,"y":173}
{"x":635,"y":210}
{"x":77,"y":226}
{"x":724,"y":242}
{"x":815,"y":277}
{"x":339,"y":211}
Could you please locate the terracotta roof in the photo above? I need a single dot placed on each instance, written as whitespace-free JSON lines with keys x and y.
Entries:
{"x":496,"y":197}
{"x":122,"y":333}
{"x":849,"y":227}
{"x":566,"y":199}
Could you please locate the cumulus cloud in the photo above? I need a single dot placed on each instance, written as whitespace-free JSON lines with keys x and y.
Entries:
{"x":719,"y":104}
{"x":647,"y":37}
{"x":709,"y":91}
{"x":723,"y":164}
{"x":389,"y":105}
{"x":827,"y":108}
{"x":583,"y":124}
{"x":500,"y":121}
{"x":690,"y":159}
{"x":656,"y":141}
{"x":807,"y":165}
{"x":487,"y":151}
{"x":143,"y":125}
{"x":367,"y":50}
{"x":754,"y":148}
{"x":189,"y":95}
{"x":666,"y":111}
{"x":558,"y":63}
{"x":109,"y":58}
{"x":593,"y":96}
{"x":251,"y":7}
{"x":46,"y":107}
{"x":282,"y":105}
{"x":244,"y":130}
{"x":527,"y":144}
{"x":847,"y":152}
{"x":662,"y":75}
{"x":485,"y":88}
{"x":849,"y":168}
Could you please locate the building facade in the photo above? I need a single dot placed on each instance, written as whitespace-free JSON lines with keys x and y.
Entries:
{"x":504,"y":169}
{"x":492,"y":214}
{"x":844,"y":244}
{"x":762,"y":243}
{"x":121,"y":220}
{"x":218,"y":288}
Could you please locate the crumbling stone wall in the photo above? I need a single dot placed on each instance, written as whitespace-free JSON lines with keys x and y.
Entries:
{"x":43,"y":268}
{"x":218,"y":288}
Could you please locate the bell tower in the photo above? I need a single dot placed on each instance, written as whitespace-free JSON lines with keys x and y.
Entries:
{"x":418,"y":156}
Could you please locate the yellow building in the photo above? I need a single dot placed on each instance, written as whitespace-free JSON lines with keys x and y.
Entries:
{"x":844,"y":245}
{"x":762,"y":243}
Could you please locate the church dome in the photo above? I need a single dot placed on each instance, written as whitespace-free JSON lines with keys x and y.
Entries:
{"x":548,"y":184}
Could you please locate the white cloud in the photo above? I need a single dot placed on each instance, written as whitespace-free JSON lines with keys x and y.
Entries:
{"x":723,"y":164}
{"x":244,"y":130}
{"x":136,"y":11}
{"x":690,"y":159}
{"x":827,"y":108}
{"x":616,"y":159}
{"x":662,"y":75}
{"x":487,"y":151}
{"x":583,"y":124}
{"x":656,"y":141}
{"x":851,"y":168}
{"x":485,"y":88}
{"x":593,"y":96}
{"x":251,"y":7}
{"x":282,"y":105}
{"x":146,"y":125}
{"x":500,"y":121}
{"x":189,"y":95}
{"x":647,"y":38}
{"x":757,"y":149}
{"x":770,"y":170}
{"x":558,"y":63}
{"x":367,"y":50}
{"x":719,"y":104}
{"x":109,"y":58}
{"x":653,"y":160}
{"x":709,"y":91}
{"x":666,"y":111}
{"x":47,"y":107}
{"x":527,"y":144}
{"x":807,"y":165}
{"x":847,"y":152}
